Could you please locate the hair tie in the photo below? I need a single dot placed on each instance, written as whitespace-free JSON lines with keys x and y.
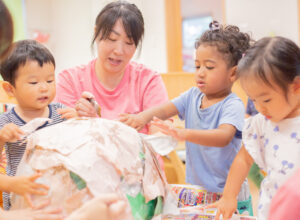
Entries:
{"x":214,"y":26}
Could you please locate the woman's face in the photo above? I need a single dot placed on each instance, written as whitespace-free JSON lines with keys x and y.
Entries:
{"x":115,"y":52}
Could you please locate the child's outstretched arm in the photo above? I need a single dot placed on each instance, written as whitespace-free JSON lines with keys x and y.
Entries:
{"x":10,"y":133}
{"x":138,"y":121}
{"x":23,"y":185}
{"x":239,"y":169}
{"x":219,"y":137}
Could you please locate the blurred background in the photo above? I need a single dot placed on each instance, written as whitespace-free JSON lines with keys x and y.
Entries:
{"x":171,"y":26}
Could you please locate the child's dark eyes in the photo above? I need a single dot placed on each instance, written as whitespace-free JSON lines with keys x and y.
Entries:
{"x":266,"y":101}
{"x":207,"y":67}
{"x":111,"y":39}
{"x":34,"y":83}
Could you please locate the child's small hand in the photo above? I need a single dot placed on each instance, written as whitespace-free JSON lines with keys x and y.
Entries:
{"x":10,"y":133}
{"x":225,"y":207}
{"x":169,"y":129}
{"x":132,"y":120}
{"x":67,"y":113}
{"x":26,"y":185}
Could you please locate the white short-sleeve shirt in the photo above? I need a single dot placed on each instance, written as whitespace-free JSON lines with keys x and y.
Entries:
{"x":275,"y":147}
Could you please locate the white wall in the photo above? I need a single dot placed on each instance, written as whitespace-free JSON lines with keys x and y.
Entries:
{"x":264,"y":17}
{"x":72,"y":32}
{"x":38,"y":16}
{"x":154,"y":48}
{"x":70,"y":24}
{"x":192,"y":8}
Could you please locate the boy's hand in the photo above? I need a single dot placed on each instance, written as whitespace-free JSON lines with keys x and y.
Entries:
{"x":225,"y":207}
{"x":10,"y":133}
{"x":132,"y":120}
{"x":25,"y":186}
{"x":169,"y":129}
{"x":67,"y":113}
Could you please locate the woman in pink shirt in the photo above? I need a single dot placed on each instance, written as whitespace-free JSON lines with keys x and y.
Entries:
{"x":118,"y":84}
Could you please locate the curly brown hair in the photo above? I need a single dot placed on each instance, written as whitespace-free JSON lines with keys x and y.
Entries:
{"x":228,"y":40}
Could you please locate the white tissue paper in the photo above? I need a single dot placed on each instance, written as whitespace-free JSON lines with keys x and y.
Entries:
{"x":83,"y":158}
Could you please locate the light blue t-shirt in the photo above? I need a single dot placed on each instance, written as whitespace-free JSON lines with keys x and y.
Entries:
{"x":209,"y":166}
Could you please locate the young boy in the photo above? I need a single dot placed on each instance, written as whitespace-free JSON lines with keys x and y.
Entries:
{"x":29,"y":76}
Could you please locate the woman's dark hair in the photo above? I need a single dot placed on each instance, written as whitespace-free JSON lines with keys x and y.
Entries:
{"x":130,"y":15}
{"x":21,"y":52}
{"x":275,"y":58}
{"x":227,"y":39}
{"x":6,"y":30}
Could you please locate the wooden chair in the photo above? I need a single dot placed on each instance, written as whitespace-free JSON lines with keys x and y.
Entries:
{"x":174,"y":168}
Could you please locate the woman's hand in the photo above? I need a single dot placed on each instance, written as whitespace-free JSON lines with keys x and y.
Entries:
{"x":84,"y":107}
{"x":133,"y":120}
{"x":104,"y":207}
{"x":67,"y":113}
{"x":26,"y":185}
{"x":225,"y":207}
{"x":165,"y":127}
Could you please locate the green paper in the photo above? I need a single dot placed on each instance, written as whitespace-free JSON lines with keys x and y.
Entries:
{"x":144,"y":211}
{"x":80,"y":183}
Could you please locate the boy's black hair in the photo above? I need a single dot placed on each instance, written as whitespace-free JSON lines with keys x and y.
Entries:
{"x":275,"y":58}
{"x":23,"y":51}
{"x":130,"y":16}
{"x":228,"y":40}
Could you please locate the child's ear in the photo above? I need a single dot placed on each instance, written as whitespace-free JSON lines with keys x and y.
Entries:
{"x":233,"y":74}
{"x":296,"y":86}
{"x":8,"y":88}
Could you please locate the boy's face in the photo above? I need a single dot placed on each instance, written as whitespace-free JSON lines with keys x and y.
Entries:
{"x":34,"y":85}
